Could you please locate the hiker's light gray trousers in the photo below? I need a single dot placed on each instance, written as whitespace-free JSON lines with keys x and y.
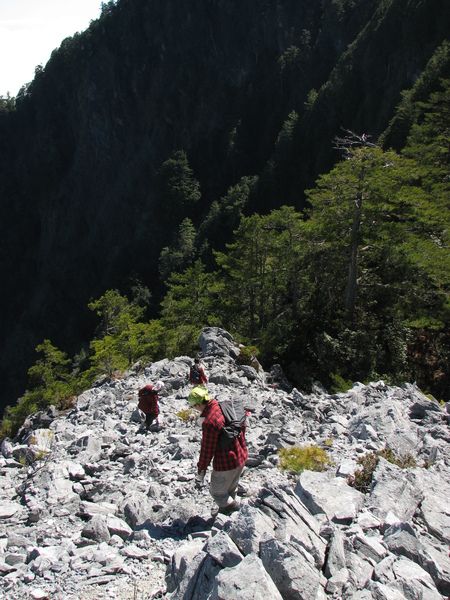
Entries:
{"x":223,"y":486}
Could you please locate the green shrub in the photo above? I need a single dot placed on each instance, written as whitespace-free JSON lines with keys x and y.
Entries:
{"x":339,"y":383}
{"x":307,"y":458}
{"x":362,"y":479}
{"x":188,"y":415}
{"x":387,"y":454}
{"x":15,"y":415}
{"x":405,"y":461}
{"x":247,"y":356}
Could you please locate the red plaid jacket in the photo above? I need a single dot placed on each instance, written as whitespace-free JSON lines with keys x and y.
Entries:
{"x":195,"y":381}
{"x":225,"y":459}
{"x":148,"y":400}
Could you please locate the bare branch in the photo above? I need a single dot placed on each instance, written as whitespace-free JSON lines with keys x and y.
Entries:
{"x":348,"y":143}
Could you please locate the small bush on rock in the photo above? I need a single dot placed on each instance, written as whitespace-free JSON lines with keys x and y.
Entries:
{"x":406,"y":461}
{"x":188,"y":415}
{"x":247,"y":356}
{"x":307,"y":458}
{"x":362,"y":479}
{"x":339,"y":383}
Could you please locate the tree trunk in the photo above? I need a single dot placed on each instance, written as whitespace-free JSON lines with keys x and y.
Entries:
{"x":350,"y":300}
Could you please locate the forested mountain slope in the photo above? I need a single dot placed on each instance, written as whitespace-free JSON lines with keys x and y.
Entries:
{"x":193,"y":93}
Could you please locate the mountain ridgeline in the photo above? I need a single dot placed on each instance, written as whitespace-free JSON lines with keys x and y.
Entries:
{"x":165,"y":111}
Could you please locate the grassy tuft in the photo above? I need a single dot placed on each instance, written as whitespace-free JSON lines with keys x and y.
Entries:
{"x":248,"y":356}
{"x":188,"y":415}
{"x":404,"y":461}
{"x":307,"y":458}
{"x":362,"y":479}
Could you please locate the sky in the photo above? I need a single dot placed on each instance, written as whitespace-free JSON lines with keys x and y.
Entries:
{"x":31,"y":29}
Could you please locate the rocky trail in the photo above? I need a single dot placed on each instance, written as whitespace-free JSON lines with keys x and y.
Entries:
{"x":92,"y":505}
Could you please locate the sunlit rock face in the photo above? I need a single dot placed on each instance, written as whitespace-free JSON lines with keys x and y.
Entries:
{"x":94,"y":505}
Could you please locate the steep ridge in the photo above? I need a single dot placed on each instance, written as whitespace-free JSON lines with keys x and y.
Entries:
{"x":217,"y":79}
{"x":94,"y":506}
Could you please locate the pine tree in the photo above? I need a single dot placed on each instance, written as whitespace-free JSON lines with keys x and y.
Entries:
{"x":178,"y":192}
{"x":180,"y":255}
{"x":188,"y":306}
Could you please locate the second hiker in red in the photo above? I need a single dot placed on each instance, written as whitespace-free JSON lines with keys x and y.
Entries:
{"x":149,"y":404}
{"x":197,"y":374}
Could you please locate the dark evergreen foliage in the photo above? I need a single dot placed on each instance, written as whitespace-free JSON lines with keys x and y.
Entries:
{"x":232,"y":104}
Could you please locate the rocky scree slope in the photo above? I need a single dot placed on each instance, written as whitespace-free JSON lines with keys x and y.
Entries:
{"x":94,"y":506}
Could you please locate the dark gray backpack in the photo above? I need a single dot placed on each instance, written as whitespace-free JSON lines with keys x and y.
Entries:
{"x":195,"y":373}
{"x":235,"y":416}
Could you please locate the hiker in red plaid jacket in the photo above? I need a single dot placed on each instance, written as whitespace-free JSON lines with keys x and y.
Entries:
{"x":149,"y":404}
{"x":197,"y":374}
{"x":228,"y":463}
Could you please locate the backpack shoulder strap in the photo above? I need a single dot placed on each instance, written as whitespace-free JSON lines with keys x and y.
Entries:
{"x":148,"y":389}
{"x":227,"y":410}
